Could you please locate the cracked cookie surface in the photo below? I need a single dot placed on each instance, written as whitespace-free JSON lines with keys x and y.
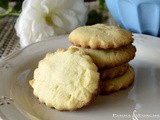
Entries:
{"x":66,"y":80}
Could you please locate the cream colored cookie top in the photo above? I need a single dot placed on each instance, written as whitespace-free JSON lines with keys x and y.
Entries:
{"x":100,"y":36}
{"x":66,"y":80}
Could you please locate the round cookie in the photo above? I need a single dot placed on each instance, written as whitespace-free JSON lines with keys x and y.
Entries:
{"x":66,"y":80}
{"x":112,"y":85}
{"x":100,"y":36}
{"x":114,"y":72}
{"x":111,"y":57}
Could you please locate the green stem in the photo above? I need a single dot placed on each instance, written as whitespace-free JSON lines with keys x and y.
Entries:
{"x":9,"y":12}
{"x":14,"y":14}
{"x":6,"y":12}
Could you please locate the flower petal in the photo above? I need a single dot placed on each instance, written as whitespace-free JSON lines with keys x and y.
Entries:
{"x":70,"y":18}
{"x":45,"y":7}
{"x":41,"y":29}
{"x":57,"y":20}
{"x":41,"y":19}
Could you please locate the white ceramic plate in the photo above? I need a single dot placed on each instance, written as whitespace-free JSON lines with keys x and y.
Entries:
{"x":140,"y":101}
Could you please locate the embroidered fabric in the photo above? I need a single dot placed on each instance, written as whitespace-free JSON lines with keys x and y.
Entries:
{"x":9,"y":42}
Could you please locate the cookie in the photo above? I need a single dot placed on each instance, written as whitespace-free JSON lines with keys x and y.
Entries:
{"x":66,"y":80}
{"x":100,"y":36}
{"x":115,"y":84}
{"x":114,"y":72}
{"x":111,"y":57}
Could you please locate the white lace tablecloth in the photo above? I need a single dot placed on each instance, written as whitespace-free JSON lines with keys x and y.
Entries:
{"x":9,"y":42}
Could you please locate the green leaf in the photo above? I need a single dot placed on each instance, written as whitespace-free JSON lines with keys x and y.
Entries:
{"x":94,"y":17}
{"x":102,"y":5}
{"x":4,"y":4}
{"x":18,"y":5}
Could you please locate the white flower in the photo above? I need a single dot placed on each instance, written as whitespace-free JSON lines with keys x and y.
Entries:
{"x":41,"y":19}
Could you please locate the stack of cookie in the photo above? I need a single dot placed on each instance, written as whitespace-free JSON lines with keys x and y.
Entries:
{"x":111,"y":49}
{"x":71,"y":79}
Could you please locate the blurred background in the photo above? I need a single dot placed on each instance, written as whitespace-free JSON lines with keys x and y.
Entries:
{"x":10,"y":10}
{"x":97,"y":8}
